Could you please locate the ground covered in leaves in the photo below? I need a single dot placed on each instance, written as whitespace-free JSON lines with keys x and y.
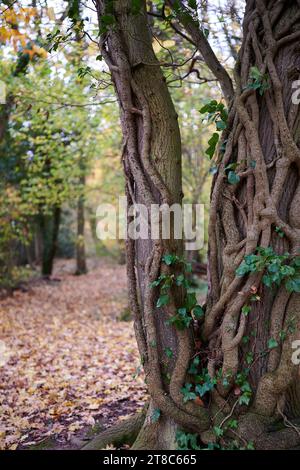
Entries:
{"x":67,"y":361}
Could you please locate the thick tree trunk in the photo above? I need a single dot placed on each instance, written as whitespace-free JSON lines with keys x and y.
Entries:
{"x":262,"y":137}
{"x":152,"y":165}
{"x":248,"y":357}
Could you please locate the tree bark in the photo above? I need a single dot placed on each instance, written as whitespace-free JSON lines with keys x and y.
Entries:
{"x":49,"y":230}
{"x":152,"y":165}
{"x":262,"y":140}
{"x":80,"y":245}
{"x":262,"y":137}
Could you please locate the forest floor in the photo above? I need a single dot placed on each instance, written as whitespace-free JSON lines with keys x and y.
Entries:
{"x":68,"y":364}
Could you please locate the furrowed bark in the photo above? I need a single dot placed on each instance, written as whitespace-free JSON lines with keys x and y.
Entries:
{"x":152,"y":166}
{"x":262,"y":140}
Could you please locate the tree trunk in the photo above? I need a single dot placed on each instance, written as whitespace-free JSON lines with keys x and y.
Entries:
{"x":80,"y":245}
{"x":247,"y":355}
{"x":152,"y":165}
{"x":258,"y":212}
{"x":49,"y":230}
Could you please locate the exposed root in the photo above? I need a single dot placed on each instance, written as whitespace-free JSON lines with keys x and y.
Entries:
{"x":124,"y":432}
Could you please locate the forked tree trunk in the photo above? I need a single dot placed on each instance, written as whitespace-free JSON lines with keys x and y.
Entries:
{"x":261,"y":137}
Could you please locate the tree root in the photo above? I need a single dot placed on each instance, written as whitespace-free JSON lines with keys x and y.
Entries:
{"x":124,"y":432}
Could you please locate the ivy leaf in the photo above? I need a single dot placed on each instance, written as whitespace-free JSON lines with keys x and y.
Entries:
{"x":255,"y":73}
{"x":162,"y":300}
{"x":242,"y":269}
{"x":155,"y":415}
{"x":293,"y":285}
{"x":244,"y":399}
{"x":246,"y":310}
{"x":194,"y":366}
{"x":169,"y":352}
{"x":221,"y":125}
{"x":198,"y":312}
{"x":188,"y":267}
{"x":249,"y":358}
{"x":180,"y":279}
{"x":233,"y":178}
{"x":272,"y":343}
{"x":187,"y":394}
{"x":190,"y":301}
{"x":218,"y":431}
{"x":192,"y":4}
{"x":233,"y":424}
{"x":169,"y":259}
{"x":212,"y":145}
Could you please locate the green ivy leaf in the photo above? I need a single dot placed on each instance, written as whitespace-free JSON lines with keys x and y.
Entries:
{"x":213,"y":141}
{"x":170,"y":259}
{"x":169,"y":352}
{"x":293,"y":285}
{"x":190,"y":301}
{"x":233,"y":178}
{"x":155,"y":415}
{"x":272,"y":343}
{"x":246,"y":310}
{"x":162,"y":300}
{"x":218,"y":431}
{"x":187,"y":394}
{"x":180,"y":280}
{"x":198,"y":312}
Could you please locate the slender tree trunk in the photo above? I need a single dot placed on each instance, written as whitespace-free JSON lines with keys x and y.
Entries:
{"x":49,"y":230}
{"x":80,"y":244}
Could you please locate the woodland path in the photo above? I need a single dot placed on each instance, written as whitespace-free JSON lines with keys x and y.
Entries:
{"x":68,"y":364}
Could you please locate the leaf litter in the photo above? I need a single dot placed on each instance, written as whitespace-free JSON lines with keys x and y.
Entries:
{"x":67,"y":361}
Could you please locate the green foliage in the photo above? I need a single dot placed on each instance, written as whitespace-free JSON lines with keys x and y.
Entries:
{"x":243,"y":383}
{"x":190,"y":309}
{"x":162,"y":300}
{"x":212,"y":144}
{"x":278,"y":268}
{"x":155,"y":415}
{"x":202,"y":382}
{"x":214,"y":113}
{"x":187,"y":441}
{"x":272,"y":343}
{"x":259,"y":81}
{"x":207,"y":384}
{"x":246,"y":310}
{"x":279,"y":232}
{"x":193,"y":370}
{"x":218,"y":431}
{"x":181,"y":320}
{"x":187,"y":392}
{"x":169,"y":353}
{"x":233,"y":178}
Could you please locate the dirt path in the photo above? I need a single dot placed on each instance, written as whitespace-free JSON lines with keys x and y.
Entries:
{"x":66,"y":361}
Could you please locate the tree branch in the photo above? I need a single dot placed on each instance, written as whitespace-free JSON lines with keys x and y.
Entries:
{"x":199,"y":39}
